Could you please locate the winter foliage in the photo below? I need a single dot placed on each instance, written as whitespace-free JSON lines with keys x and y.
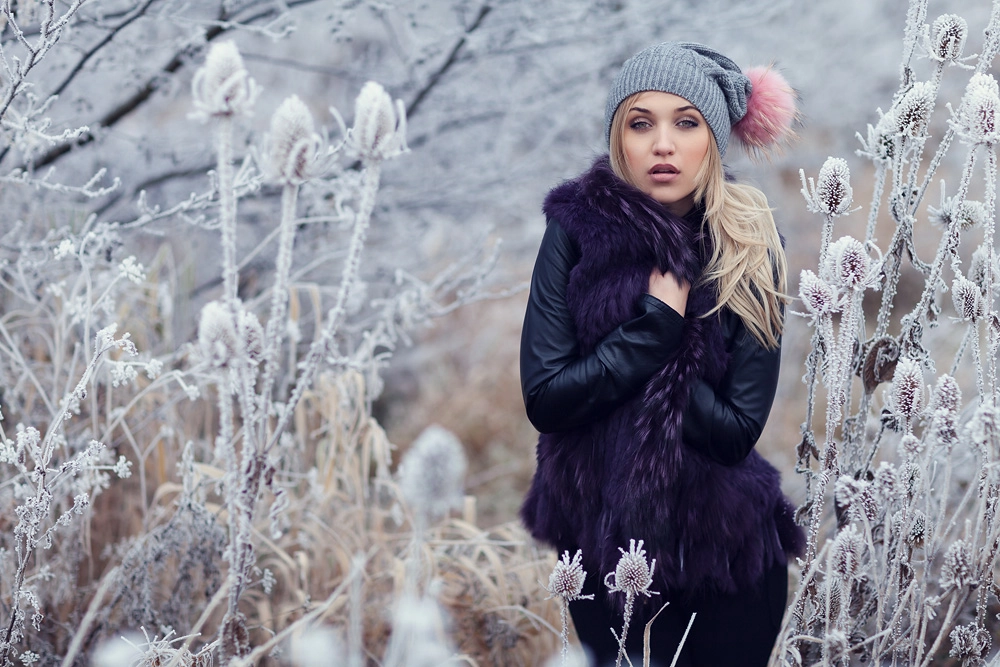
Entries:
{"x":203,"y":281}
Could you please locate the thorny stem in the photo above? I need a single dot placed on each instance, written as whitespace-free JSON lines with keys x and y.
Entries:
{"x":227,"y":206}
{"x":369,"y":187}
{"x":274,"y":334}
{"x":629,"y":601}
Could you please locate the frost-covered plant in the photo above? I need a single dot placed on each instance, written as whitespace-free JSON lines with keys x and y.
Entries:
{"x":632,"y":576}
{"x":566,"y":583}
{"x":913,"y":549}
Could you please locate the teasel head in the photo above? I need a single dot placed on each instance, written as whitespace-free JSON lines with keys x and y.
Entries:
{"x":835,"y":646}
{"x":633,"y":575}
{"x":967,"y":298}
{"x":432,"y":473}
{"x":970,"y":644}
{"x":222,"y":86}
{"x":913,"y":110}
{"x":969,"y":213}
{"x":911,"y":446}
{"x":984,"y":432}
{"x":918,"y":531}
{"x":886,"y":482}
{"x":834,"y":195}
{"x":976,"y":119}
{"x":946,"y":39}
{"x":906,"y":396}
{"x":846,"y":553}
{"x":818,"y":296}
{"x":978,"y":264}
{"x":218,"y":341}
{"x":957,"y":569}
{"x":293,"y":143}
{"x":567,"y":578}
{"x":912,"y":479}
{"x":379,"y":130}
{"x":849,"y":264}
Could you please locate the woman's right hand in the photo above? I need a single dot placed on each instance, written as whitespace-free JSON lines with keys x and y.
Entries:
{"x":668,"y":289}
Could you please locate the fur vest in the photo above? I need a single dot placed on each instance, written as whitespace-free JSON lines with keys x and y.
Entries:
{"x":710,"y":527}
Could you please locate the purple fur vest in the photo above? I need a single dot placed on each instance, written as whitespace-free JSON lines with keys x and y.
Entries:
{"x":710,"y":527}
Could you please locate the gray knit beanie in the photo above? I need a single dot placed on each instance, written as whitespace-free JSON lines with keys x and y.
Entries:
{"x":702,"y":76}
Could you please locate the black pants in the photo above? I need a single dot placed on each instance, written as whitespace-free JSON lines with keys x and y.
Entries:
{"x":730,"y":630}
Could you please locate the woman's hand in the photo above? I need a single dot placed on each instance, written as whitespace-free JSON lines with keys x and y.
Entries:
{"x":668,"y":289}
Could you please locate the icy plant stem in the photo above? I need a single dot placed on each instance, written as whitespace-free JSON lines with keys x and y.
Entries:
{"x":227,"y":205}
{"x":948,"y":247}
{"x":988,"y":243}
{"x":274,"y":334}
{"x":629,"y":601}
{"x":564,"y":632}
{"x":369,"y":188}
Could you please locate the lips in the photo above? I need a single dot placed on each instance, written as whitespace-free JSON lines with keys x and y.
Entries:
{"x":663,"y":173}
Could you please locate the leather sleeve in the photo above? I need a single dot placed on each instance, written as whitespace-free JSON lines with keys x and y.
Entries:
{"x":563,"y":388}
{"x":724,"y":423}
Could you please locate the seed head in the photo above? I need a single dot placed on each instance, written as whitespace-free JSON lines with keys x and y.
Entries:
{"x":217,"y":337}
{"x":970,"y":643}
{"x":835,"y":646}
{"x":632,"y":574}
{"x":976,"y":119}
{"x":947,"y":395}
{"x":957,"y":570}
{"x":917,"y":534}
{"x":907,"y":394}
{"x":566,"y":580}
{"x":947,"y":38}
{"x":432,"y":473}
{"x":222,"y":86}
{"x":984,"y":431}
{"x":913,"y":111}
{"x":845,"y":558}
{"x":848,"y":263}
{"x":969,"y":214}
{"x":833,"y":187}
{"x":293,"y":142}
{"x":967,"y":298}
{"x":379,"y":127}
{"x":886,"y":482}
{"x":978,"y":265}
{"x":817,"y":295}
{"x":911,"y":445}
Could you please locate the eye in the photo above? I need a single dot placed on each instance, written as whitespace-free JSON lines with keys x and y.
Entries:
{"x":639,"y":124}
{"x":687,"y":123}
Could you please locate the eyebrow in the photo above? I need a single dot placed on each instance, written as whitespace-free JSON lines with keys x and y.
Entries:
{"x":689,"y":107}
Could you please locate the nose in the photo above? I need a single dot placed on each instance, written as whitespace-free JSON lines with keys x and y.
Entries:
{"x":664,"y":144}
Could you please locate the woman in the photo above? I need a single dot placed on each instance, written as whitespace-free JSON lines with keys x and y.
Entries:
{"x":649,"y":362}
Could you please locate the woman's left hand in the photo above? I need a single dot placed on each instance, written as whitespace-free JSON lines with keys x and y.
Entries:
{"x":672,"y":291}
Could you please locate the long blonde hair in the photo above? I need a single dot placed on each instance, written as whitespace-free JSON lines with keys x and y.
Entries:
{"x":748,"y":264}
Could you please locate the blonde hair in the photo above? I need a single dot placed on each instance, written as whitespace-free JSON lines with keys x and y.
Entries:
{"x":748,"y":264}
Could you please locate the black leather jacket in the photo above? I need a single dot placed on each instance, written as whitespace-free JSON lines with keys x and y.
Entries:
{"x":563,"y":389}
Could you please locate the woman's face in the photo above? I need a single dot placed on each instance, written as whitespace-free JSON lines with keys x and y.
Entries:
{"x":665,"y":140}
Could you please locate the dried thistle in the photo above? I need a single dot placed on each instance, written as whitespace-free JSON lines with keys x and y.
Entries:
{"x":379,"y":130}
{"x":818,"y":296}
{"x":913,"y":111}
{"x":976,"y":118}
{"x":957,"y":570}
{"x":293,"y":142}
{"x":632,"y":576}
{"x":222,"y":87}
{"x":967,"y":298}
{"x":831,"y":194}
{"x":845,"y":556}
{"x":848,"y":264}
{"x":432,"y":473}
{"x":946,"y":39}
{"x":970,"y":643}
{"x":906,"y":396}
{"x":566,"y":583}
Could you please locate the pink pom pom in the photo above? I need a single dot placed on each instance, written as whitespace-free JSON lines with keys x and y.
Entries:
{"x":771,"y":111}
